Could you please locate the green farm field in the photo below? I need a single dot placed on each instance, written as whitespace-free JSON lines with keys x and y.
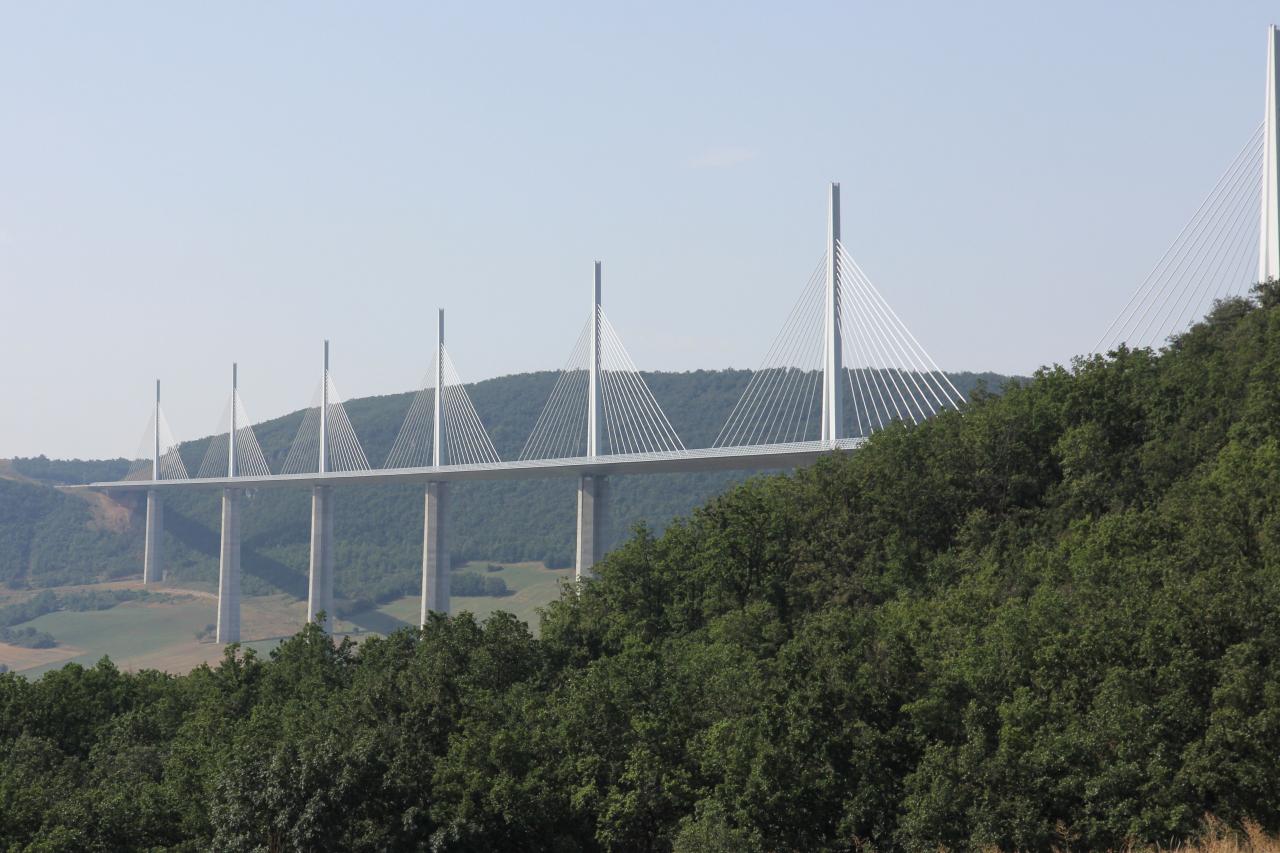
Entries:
{"x":163,"y":635}
{"x":143,"y":635}
{"x":533,"y":586}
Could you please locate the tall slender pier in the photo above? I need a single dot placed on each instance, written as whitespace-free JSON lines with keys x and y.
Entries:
{"x":152,"y":555}
{"x":320,"y":576}
{"x":592,"y":489}
{"x":435,"y":551}
{"x":228,"y":624}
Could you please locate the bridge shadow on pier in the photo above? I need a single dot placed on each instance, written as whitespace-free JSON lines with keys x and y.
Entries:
{"x":202,"y":540}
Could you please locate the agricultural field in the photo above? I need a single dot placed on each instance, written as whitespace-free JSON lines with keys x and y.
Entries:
{"x":167,"y":635}
{"x":532,"y":586}
{"x":152,"y":635}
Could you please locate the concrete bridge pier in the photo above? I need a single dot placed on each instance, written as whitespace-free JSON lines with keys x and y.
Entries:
{"x":228,"y":625}
{"x":320,"y":579}
{"x":593,"y":504}
{"x":152,"y":557}
{"x":435,"y":553}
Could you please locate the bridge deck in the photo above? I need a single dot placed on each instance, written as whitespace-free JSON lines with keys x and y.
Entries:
{"x":761,"y":457}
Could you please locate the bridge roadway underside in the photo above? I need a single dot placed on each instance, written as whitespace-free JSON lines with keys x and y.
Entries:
{"x":762,"y":457}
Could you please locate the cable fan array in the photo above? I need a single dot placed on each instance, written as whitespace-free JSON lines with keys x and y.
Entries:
{"x":631,"y":418}
{"x":896,"y":379}
{"x":1211,"y":258}
{"x":342,"y":452}
{"x":170,"y":460}
{"x":250,"y":461}
{"x":782,"y":401}
{"x":465,"y":440}
{"x":893,"y":377}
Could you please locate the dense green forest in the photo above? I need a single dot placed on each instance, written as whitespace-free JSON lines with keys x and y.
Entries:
{"x":1049,"y":620}
{"x":49,"y":538}
{"x":378,"y":530}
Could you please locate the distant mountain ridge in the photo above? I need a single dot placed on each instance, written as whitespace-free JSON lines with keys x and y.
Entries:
{"x":49,"y":537}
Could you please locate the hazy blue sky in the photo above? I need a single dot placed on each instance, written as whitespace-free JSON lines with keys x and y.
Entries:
{"x":182,"y":186}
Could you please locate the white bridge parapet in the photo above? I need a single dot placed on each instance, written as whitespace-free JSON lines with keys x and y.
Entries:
{"x":754,"y":457}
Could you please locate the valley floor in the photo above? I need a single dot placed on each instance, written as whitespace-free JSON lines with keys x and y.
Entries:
{"x":171,"y":635}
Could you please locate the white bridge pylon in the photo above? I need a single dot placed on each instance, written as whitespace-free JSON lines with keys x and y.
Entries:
{"x":843,"y":365}
{"x":234,"y":450}
{"x":600,"y":404}
{"x":325,"y":440}
{"x":157,"y":457}
{"x":442,"y":426}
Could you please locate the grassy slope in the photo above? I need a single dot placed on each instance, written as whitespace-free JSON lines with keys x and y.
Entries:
{"x":534,"y":587}
{"x":163,"y":635}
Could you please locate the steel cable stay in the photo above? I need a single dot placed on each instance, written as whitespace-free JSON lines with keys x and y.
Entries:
{"x":470,"y":418}
{"x":893,"y":352}
{"x":1158,"y":270}
{"x":907,"y":363}
{"x":141,"y":466}
{"x":1225,"y":259}
{"x":553,"y":432}
{"x":620,"y":415}
{"x":879,"y":360}
{"x":456,"y":442}
{"x":927,"y":365}
{"x":171,"y":465}
{"x":214,"y":463}
{"x":889,"y":375}
{"x":868,"y":390}
{"x":780,"y":369}
{"x":351,"y":456}
{"x":730,"y":434}
{"x":796,"y":398}
{"x":621,"y":426}
{"x":1226,"y":216}
{"x":465,"y":440}
{"x":304,"y":453}
{"x":871,"y":390}
{"x":343,"y":451}
{"x":649,"y":422}
{"x":801,"y":412}
{"x":475,"y":445}
{"x":414,"y":440}
{"x":783,"y":364}
{"x":1177,"y":285}
{"x":168,"y":464}
{"x":1200,"y":280}
{"x":250,"y":460}
{"x":631,"y":420}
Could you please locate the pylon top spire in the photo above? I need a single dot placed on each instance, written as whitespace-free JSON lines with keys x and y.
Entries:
{"x":1269,"y":220}
{"x":593,"y":370}
{"x":833,"y":360}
